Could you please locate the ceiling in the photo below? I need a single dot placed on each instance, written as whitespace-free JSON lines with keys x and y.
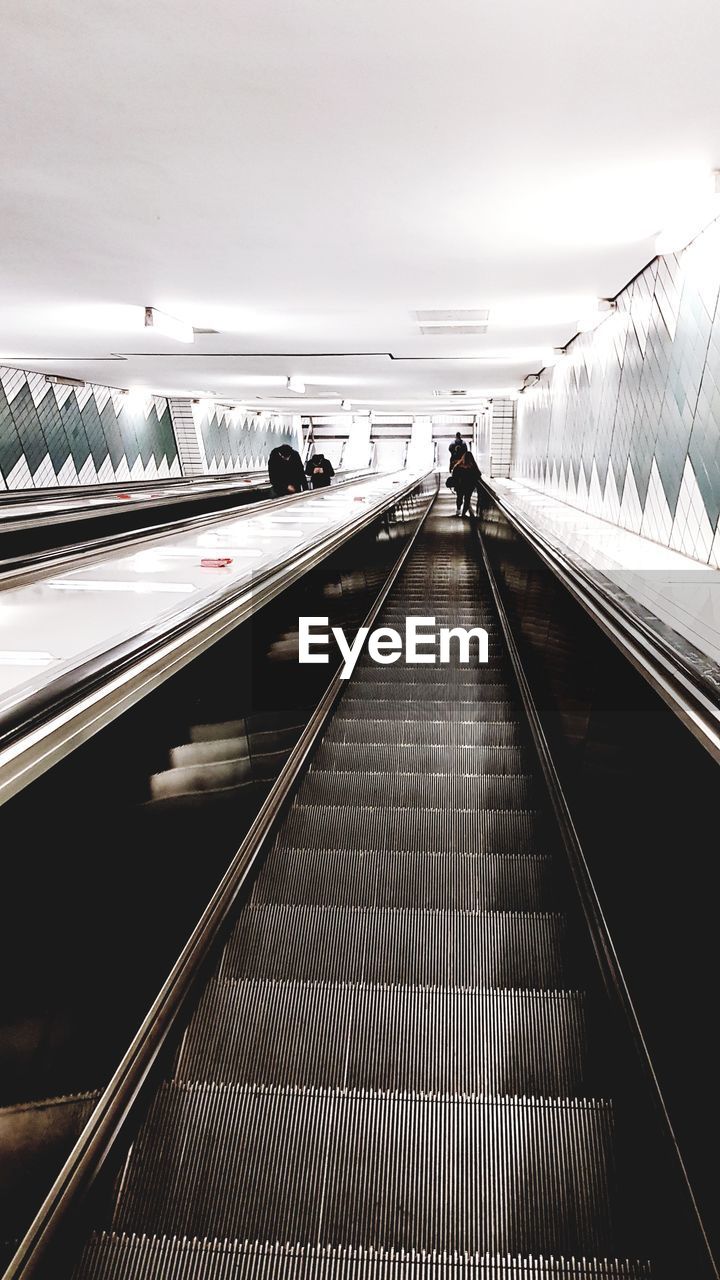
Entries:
{"x":305,"y":177}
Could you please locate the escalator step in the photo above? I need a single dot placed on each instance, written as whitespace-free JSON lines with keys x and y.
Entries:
{"x":415,"y":758}
{"x":416,"y":790}
{"x":417,"y":707}
{"x":503,"y":1175}
{"x":349,"y":728}
{"x":112,"y":1256}
{"x":432,"y":881}
{"x":413,"y":831}
{"x":419,"y":1039}
{"x":185,"y":779}
{"x":438,"y":685}
{"x":209,"y":752}
{"x":487,"y":673}
{"x":422,"y":948}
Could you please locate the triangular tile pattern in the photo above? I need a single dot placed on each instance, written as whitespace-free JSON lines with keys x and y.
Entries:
{"x":235,"y":442}
{"x":627,"y":425}
{"x":58,"y":435}
{"x":631,"y":512}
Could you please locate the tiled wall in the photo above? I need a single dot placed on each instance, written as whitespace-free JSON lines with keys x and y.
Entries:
{"x":502,"y":423}
{"x":232,"y":441}
{"x":627,"y":424}
{"x":59,"y":435}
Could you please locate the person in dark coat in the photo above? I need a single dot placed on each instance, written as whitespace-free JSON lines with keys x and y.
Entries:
{"x":466,"y":479}
{"x":285,"y":469}
{"x":457,"y":449}
{"x":320,"y":470}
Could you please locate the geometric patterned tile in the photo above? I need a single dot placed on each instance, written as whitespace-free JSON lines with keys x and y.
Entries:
{"x":234,"y":442}
{"x":638,"y":400}
{"x":58,"y":435}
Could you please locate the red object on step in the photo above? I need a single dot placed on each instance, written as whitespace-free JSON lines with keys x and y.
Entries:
{"x":216,"y":562}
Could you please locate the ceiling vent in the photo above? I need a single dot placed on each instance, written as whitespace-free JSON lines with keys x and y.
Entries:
{"x":444,"y":394}
{"x":201,"y":331}
{"x":436,"y":324}
{"x":453,"y":317}
{"x":451,"y":330}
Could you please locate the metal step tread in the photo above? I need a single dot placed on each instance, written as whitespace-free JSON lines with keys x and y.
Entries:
{"x":417,"y":790}
{"x":250,"y":792}
{"x":362,"y":1036}
{"x":355,"y":827}
{"x":364,"y":1168}
{"x":428,"y":733}
{"x":394,"y":946}
{"x":463,"y":689}
{"x":495,"y":670}
{"x":409,"y":758}
{"x":431,"y":881}
{"x":209,"y":751}
{"x":413,"y":707}
{"x":256,"y":722}
{"x":200,"y":777}
{"x":117,"y":1256}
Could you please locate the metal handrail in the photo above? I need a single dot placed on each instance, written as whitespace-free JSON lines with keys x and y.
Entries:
{"x":22,"y":568}
{"x":688,"y":692}
{"x":117,"y":1101}
{"x":32,"y":712}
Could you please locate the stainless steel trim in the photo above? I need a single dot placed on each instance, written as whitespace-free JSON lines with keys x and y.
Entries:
{"x":30,"y":756}
{"x":93,"y":1146}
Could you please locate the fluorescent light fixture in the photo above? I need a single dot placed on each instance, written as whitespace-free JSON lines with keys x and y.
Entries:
{"x":553,"y":356}
{"x":139,"y":588}
{"x":168,"y":326}
{"x":24,"y":658}
{"x":595,"y":315}
{"x":138,"y":397}
{"x":294,"y":383}
{"x":693,"y":213}
{"x":59,"y":380}
{"x":530,"y":312}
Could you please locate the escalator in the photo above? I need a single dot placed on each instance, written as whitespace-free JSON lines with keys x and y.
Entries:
{"x":405,"y":1062}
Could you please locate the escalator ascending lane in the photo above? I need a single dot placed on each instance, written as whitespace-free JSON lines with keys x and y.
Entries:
{"x":389,"y":1072}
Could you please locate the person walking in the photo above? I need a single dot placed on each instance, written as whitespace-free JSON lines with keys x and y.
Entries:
{"x":457,"y":449}
{"x":320,"y":470}
{"x":466,"y":477}
{"x":285,"y":469}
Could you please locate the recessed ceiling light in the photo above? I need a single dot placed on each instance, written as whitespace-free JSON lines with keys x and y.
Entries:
{"x":168,"y":325}
{"x":595,"y":315}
